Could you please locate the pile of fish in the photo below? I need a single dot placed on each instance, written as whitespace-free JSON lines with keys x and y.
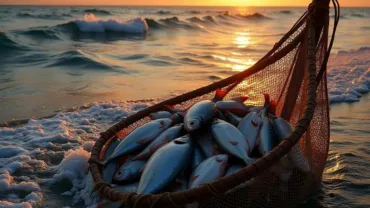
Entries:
{"x":183,"y":149}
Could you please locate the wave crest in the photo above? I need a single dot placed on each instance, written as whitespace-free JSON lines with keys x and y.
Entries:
{"x":90,"y":23}
{"x":97,"y":11}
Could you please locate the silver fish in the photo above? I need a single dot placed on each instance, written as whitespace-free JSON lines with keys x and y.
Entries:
{"x":130,"y":170}
{"x":267,"y":135}
{"x":233,"y":169}
{"x":240,"y":99}
{"x":205,"y":143}
{"x":164,"y":138}
{"x":250,"y":126}
{"x":232,"y":118}
{"x":231,"y":140}
{"x":283,"y":129}
{"x":165,"y":165}
{"x":160,"y":114}
{"x":197,"y":157}
{"x":140,"y":137}
{"x":111,"y":168}
{"x":233,"y":106}
{"x":209,"y":170}
{"x":199,"y":115}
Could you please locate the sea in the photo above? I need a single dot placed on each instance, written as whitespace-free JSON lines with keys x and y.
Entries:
{"x":82,"y":69}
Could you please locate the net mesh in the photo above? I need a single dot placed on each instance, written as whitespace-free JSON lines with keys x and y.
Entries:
{"x":286,"y":80}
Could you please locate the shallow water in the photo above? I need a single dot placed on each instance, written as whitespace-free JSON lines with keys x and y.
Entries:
{"x":51,"y":61}
{"x":72,"y":59}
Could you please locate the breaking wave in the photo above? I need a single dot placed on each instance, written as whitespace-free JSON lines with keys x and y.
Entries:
{"x":97,"y":11}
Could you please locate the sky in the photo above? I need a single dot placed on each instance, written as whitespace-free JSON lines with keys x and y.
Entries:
{"x":352,"y":3}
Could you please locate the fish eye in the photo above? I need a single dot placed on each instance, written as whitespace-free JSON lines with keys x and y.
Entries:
{"x":119,"y":173}
{"x":192,"y":123}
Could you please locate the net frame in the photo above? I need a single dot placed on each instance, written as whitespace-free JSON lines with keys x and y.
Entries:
{"x":306,"y":41}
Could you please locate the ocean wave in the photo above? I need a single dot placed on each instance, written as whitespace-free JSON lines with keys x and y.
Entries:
{"x":254,"y":16}
{"x":90,"y":23}
{"x":285,"y":12}
{"x":53,"y":16}
{"x":193,"y":12}
{"x":7,"y":45}
{"x":97,"y":11}
{"x":163,"y":12}
{"x":83,"y":60}
{"x":357,"y":15}
{"x":40,"y":33}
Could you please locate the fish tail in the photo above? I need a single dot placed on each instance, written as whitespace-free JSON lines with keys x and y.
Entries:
{"x":249,"y":160}
{"x":221,"y":94}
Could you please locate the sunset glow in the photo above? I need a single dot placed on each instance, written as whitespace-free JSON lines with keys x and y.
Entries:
{"x":351,"y":3}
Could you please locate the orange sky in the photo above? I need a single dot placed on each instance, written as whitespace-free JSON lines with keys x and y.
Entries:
{"x":183,"y":2}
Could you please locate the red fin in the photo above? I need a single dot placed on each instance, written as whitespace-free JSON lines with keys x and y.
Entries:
{"x":234,"y":143}
{"x":254,"y":123}
{"x":169,"y":106}
{"x":144,"y":141}
{"x":273,"y":105}
{"x":193,"y":178}
{"x":220,"y":93}
{"x":241,"y":99}
{"x":151,"y":117}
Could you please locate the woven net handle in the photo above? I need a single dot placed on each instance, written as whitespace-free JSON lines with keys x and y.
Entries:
{"x":229,"y":182}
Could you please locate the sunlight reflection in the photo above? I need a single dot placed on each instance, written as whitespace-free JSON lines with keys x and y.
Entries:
{"x":242,"y":40}
{"x":236,"y":64}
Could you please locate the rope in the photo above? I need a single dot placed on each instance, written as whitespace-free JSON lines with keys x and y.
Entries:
{"x":326,"y":58}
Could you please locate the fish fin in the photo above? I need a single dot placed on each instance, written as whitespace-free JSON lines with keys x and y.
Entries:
{"x":193,"y":178}
{"x":151,"y":116}
{"x":142,"y":156}
{"x":220,"y":94}
{"x":234,"y":143}
{"x":222,"y":169}
{"x":273,"y":105}
{"x":241,"y":99}
{"x":170,"y":108}
{"x":144,"y":141}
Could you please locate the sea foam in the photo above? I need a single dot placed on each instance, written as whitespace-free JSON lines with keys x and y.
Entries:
{"x":90,"y":23}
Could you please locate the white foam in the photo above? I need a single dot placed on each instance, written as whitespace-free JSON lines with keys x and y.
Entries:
{"x":349,"y":75}
{"x":45,"y":152}
{"x":90,"y":23}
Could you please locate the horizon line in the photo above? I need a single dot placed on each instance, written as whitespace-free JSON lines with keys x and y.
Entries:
{"x":111,"y":5}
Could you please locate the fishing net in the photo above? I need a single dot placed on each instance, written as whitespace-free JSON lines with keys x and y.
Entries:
{"x":294,"y":74}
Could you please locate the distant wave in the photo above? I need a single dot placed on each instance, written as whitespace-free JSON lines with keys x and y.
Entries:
{"x":7,"y":45}
{"x":92,"y":24}
{"x":285,"y":12}
{"x":193,"y":12}
{"x":97,"y":11}
{"x":162,"y":12}
{"x":83,"y":60}
{"x":357,"y":15}
{"x":43,"y":16}
{"x":255,"y":16}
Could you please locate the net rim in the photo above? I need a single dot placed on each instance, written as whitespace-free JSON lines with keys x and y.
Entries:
{"x":229,"y":182}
